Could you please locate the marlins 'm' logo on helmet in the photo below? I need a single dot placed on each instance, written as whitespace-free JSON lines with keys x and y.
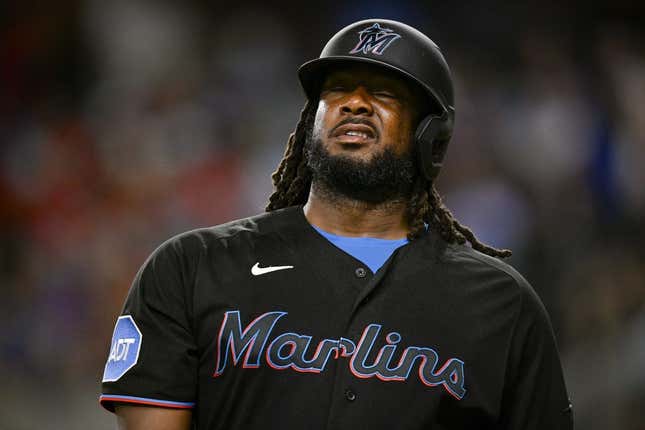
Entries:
{"x":374,"y":39}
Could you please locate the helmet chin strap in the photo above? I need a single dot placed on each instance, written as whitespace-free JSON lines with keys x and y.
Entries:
{"x":431,"y":137}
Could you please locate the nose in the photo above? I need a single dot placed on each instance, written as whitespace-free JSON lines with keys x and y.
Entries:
{"x":357,"y":102}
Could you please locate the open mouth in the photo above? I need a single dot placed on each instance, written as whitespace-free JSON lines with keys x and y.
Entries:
{"x":355,"y":133}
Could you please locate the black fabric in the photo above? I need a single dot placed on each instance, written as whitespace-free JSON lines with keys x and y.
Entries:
{"x":497,"y":365}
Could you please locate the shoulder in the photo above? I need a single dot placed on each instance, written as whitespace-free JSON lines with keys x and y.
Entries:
{"x":500,"y":276}
{"x":197,"y":241}
{"x":470,"y":259}
{"x":476,"y":271}
{"x":260,"y":224}
{"x":176,"y":260}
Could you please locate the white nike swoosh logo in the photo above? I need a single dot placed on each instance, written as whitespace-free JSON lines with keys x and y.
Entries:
{"x":257,"y":270}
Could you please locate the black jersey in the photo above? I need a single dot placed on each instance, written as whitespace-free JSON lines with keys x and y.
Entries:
{"x":263,"y":323}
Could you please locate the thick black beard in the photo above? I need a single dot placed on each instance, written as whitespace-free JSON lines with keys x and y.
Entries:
{"x":387,"y":177}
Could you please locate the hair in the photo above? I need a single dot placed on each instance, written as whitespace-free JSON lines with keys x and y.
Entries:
{"x":292,"y":181}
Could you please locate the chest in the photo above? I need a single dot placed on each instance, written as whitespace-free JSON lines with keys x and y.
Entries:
{"x":325,"y":331}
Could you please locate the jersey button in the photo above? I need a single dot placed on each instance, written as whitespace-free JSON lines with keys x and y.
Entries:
{"x":350,"y":395}
{"x":360,"y":272}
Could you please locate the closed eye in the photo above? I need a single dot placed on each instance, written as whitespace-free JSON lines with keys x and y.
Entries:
{"x":335,"y":88}
{"x":384,"y":94}
{"x":333,"y":91}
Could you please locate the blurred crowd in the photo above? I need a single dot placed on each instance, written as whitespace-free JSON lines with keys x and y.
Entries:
{"x":125,"y":122}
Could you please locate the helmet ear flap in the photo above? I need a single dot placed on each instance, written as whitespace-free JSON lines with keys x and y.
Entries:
{"x":431,"y":138}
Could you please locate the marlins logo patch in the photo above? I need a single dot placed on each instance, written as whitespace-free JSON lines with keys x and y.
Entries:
{"x":375,"y":40}
{"x":124,"y":352}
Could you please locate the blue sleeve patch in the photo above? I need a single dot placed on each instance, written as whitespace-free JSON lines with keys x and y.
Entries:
{"x":124,"y":352}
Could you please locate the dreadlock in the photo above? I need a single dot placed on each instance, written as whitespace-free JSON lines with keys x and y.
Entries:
{"x":426,"y":207}
{"x":292,"y":180}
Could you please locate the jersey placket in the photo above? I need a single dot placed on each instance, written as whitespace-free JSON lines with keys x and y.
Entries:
{"x":344,"y":394}
{"x":354,"y":286}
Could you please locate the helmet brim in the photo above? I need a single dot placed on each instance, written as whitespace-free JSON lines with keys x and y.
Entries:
{"x":312,"y":74}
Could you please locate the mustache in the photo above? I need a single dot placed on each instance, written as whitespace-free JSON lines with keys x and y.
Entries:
{"x":355,"y":120}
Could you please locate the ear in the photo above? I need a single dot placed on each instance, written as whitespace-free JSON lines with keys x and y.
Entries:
{"x":432,"y":137}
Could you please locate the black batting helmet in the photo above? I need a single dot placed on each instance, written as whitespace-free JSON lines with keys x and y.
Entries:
{"x":406,"y":51}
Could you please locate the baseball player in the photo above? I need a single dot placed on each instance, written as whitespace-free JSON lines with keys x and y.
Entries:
{"x":356,"y":301}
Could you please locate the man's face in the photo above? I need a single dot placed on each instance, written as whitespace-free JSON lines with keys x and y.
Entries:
{"x":364,"y":110}
{"x":360,"y":145}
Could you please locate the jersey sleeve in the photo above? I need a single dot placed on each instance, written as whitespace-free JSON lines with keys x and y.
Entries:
{"x":535,"y":395}
{"x":153,"y":357}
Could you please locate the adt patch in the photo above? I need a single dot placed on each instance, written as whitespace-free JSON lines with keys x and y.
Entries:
{"x":124,"y":353}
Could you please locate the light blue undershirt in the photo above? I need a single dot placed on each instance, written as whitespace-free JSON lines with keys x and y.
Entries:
{"x":372,"y":251}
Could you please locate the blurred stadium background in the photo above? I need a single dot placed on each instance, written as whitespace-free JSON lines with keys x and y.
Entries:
{"x":124,"y":122}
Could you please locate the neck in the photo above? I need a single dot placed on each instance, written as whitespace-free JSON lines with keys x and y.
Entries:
{"x":343,"y":216}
